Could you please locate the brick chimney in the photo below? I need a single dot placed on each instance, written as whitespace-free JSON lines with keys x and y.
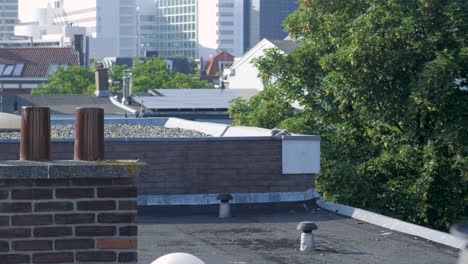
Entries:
{"x":102,"y":82}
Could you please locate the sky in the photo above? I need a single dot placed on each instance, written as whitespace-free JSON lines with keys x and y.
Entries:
{"x":27,"y":5}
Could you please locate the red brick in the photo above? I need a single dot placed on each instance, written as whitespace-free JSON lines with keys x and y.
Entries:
{"x":32,"y":245}
{"x":116,"y":243}
{"x":53,"y":257}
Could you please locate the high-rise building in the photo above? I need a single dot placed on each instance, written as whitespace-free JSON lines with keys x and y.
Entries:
{"x":265,"y":18}
{"x":112,"y":24}
{"x":8,"y":17}
{"x":191,"y":28}
{"x":168,"y":27}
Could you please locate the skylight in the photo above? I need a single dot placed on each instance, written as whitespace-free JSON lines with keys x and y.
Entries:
{"x":14,"y":70}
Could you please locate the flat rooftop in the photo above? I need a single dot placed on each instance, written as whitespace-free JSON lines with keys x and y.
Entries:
{"x":273,"y":239}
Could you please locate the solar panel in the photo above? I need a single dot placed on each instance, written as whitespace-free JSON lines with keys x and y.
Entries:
{"x":18,"y":69}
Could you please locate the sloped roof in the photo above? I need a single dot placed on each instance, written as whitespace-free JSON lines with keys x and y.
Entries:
{"x":213,"y":67}
{"x":61,"y":103}
{"x":287,"y":46}
{"x":37,"y":60}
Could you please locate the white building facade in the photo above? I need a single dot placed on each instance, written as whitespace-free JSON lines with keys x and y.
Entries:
{"x":111,"y":24}
{"x":243,"y":74}
{"x":8,"y":17}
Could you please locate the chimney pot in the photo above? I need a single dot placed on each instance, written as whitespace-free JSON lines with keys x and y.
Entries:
{"x":35,"y":134}
{"x":102,"y":82}
{"x":89,"y":134}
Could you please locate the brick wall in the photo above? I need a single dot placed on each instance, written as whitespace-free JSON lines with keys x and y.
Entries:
{"x":192,"y":166}
{"x":68,"y":220}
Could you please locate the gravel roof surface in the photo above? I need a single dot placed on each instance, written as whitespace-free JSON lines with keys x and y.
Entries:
{"x":118,"y":131}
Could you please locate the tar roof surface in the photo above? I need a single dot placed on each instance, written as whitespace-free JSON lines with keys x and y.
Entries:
{"x":194,"y":98}
{"x":273,"y":239}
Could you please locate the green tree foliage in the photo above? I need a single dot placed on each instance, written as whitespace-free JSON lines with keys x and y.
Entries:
{"x":72,"y":80}
{"x":116,"y":74}
{"x":147,"y":75}
{"x":385,"y":85}
{"x":153,"y":74}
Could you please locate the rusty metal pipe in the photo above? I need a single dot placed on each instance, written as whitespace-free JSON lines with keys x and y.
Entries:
{"x":89,"y":134}
{"x":35,"y":133}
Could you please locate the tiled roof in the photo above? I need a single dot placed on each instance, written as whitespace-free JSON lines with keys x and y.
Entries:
{"x":213,"y":66}
{"x":37,"y":60}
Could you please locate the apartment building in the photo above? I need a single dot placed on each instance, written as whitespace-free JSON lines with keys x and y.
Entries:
{"x":8,"y":17}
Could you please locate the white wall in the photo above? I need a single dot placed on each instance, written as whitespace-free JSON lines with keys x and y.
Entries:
{"x":244,"y":74}
{"x":206,"y":28}
{"x":212,"y":31}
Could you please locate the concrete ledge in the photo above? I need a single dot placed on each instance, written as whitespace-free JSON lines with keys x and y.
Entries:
{"x":240,"y":131}
{"x":393,"y":224}
{"x":212,"y":129}
{"x":71,"y":169}
{"x":239,"y":198}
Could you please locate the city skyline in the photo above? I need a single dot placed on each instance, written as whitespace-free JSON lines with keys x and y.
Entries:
{"x":130,"y":28}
